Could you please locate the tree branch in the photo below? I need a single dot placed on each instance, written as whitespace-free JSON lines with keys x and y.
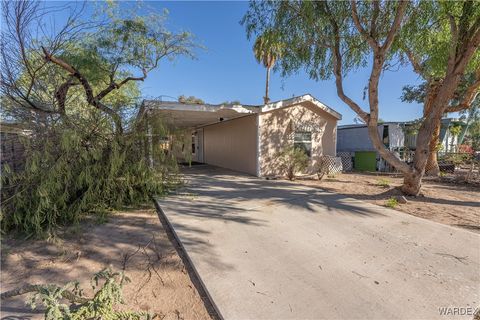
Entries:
{"x":373,"y":24}
{"x":395,"y":26}
{"x":414,"y":61}
{"x":91,"y":99}
{"x":367,"y":36}
{"x":470,"y":95}
{"x":337,"y":66}
{"x":70,"y":296}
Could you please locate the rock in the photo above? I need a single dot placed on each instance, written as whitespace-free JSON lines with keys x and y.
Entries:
{"x":401,"y":199}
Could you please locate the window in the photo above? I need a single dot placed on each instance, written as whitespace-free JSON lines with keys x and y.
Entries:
{"x":386,"y":140}
{"x":303,"y":141}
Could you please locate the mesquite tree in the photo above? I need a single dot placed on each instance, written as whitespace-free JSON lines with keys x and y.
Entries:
{"x":40,"y":65}
{"x":438,"y":38}
{"x":331,"y":38}
{"x":74,"y":90}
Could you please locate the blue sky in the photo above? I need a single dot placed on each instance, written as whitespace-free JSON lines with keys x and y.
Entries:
{"x":227,"y":69}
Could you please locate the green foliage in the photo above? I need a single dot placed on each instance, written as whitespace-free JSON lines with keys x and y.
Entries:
{"x":427,"y":33}
{"x":268,"y":48}
{"x":383,"y":183}
{"x":306,"y":41}
{"x":70,"y":173}
{"x":293,"y":160}
{"x":107,"y":286}
{"x":473,"y":134}
{"x":455,"y":129}
{"x":391,"y":203}
{"x":78,"y":162}
{"x":457,"y":158}
{"x":190,"y":100}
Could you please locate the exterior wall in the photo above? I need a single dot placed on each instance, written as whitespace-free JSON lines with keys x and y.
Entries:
{"x":276,"y":131}
{"x":356,"y":139}
{"x":232,"y":144}
{"x":396,"y":136}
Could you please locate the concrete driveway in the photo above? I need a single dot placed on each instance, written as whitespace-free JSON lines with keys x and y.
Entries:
{"x":279,"y":250}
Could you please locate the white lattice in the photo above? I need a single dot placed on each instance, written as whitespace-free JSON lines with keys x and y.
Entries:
{"x":330,"y":165}
{"x":346,"y":158}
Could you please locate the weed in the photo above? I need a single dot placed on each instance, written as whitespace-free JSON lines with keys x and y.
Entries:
{"x":391,"y":203}
{"x":383,"y":183}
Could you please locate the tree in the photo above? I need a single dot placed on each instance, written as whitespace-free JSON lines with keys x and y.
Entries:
{"x":38,"y":72}
{"x":333,"y":38}
{"x":74,"y":89}
{"x":267,"y":49}
{"x":444,"y":27}
{"x":190,"y":100}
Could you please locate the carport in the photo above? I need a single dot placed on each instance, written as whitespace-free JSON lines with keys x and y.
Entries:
{"x":194,"y":117}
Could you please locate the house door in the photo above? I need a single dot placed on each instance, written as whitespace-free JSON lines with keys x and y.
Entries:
{"x":199,"y":146}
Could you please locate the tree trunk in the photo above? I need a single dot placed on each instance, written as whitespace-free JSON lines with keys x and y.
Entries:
{"x":432,"y":168}
{"x":412,"y":182}
{"x":266,"y":99}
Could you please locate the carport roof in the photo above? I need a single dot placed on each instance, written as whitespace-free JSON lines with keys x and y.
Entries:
{"x":182,"y":115}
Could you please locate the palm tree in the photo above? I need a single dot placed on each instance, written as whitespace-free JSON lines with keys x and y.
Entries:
{"x":267,"y":50}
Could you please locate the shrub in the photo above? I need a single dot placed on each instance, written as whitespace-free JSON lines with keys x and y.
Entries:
{"x":391,"y":203}
{"x":292,"y":161}
{"x":107,"y":286}
{"x":457,"y":158}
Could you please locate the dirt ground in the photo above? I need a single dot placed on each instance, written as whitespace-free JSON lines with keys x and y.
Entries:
{"x":160,"y":282}
{"x":456,"y":204}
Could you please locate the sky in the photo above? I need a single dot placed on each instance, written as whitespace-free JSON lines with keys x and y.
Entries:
{"x":226,"y":69}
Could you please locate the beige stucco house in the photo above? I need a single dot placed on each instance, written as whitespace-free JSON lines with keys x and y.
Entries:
{"x":249,"y":138}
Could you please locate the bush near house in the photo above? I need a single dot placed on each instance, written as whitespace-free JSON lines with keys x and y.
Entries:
{"x":292,"y":161}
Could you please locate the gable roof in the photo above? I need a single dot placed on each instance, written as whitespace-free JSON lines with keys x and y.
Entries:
{"x":298,"y":100}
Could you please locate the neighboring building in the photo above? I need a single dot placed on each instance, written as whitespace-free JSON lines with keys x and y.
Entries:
{"x":354,"y":144}
{"x":249,"y":138}
{"x":448,"y":140}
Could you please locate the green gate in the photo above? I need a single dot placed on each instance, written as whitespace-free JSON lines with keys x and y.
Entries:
{"x":365,"y":161}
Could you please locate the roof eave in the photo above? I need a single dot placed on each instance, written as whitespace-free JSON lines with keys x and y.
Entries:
{"x":298,"y":100}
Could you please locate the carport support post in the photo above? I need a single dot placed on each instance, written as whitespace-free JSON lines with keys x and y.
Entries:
{"x":150,"y":144}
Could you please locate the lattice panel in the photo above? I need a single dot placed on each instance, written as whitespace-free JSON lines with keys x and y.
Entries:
{"x":346,"y":158}
{"x":329,"y":165}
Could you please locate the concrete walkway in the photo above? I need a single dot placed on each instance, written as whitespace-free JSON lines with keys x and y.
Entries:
{"x":280,"y":250}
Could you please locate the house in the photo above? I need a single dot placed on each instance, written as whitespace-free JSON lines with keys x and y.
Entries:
{"x":248,"y":138}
